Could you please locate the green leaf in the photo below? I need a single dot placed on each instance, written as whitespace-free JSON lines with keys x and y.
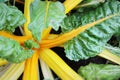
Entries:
{"x":44,"y":14}
{"x":12,"y":51}
{"x":91,"y":42}
{"x":31,"y":44}
{"x":10,"y":17}
{"x":100,"y":72}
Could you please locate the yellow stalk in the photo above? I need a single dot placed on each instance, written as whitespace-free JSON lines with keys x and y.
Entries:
{"x":108,"y":55}
{"x":27,"y":16}
{"x":58,"y":65}
{"x":70,"y":4}
{"x":34,"y":67}
{"x":27,"y":68}
{"x":13,"y":72}
{"x":52,"y":36}
{"x":20,"y":39}
{"x":67,"y":36}
{"x":46,"y":32}
{"x":31,"y":68}
{"x":3,"y":62}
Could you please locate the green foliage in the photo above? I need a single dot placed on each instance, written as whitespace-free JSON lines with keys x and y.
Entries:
{"x":88,"y":5}
{"x":91,"y":42}
{"x":10,"y":17}
{"x":3,"y":0}
{"x":12,"y":51}
{"x":31,"y":44}
{"x":100,"y":72}
{"x":45,"y":14}
{"x":114,"y":50}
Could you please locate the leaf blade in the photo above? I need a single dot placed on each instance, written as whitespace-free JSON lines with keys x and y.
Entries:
{"x":91,"y":42}
{"x":48,"y":14}
{"x":12,"y":51}
{"x":10,"y":18}
{"x":100,"y":72}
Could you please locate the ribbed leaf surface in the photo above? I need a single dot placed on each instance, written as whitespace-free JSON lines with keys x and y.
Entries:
{"x":45,"y":14}
{"x":100,"y":72}
{"x":12,"y":51}
{"x":90,"y":42}
{"x":10,"y":17}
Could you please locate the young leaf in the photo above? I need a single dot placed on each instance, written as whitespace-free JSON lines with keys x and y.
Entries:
{"x":90,"y":42}
{"x":31,"y":44}
{"x":44,"y":14}
{"x":10,"y":17}
{"x":12,"y":51}
{"x":100,"y":72}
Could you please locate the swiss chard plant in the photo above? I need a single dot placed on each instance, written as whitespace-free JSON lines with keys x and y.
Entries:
{"x":86,"y":29}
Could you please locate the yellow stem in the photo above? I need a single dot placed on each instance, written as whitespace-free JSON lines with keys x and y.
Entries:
{"x":13,"y":72}
{"x":58,"y":65}
{"x":27,"y":16}
{"x":20,"y":39}
{"x":70,"y":4}
{"x":31,"y":68}
{"x":110,"y":56}
{"x":67,"y":36}
{"x":27,"y":68}
{"x":3,"y":61}
{"x":52,"y":36}
{"x":45,"y":32}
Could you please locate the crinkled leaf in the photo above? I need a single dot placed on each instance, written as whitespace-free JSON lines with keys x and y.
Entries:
{"x":44,"y":14}
{"x":88,"y":5}
{"x":12,"y":51}
{"x":100,"y":72}
{"x":10,"y":17}
{"x":31,"y":44}
{"x":90,"y":42}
